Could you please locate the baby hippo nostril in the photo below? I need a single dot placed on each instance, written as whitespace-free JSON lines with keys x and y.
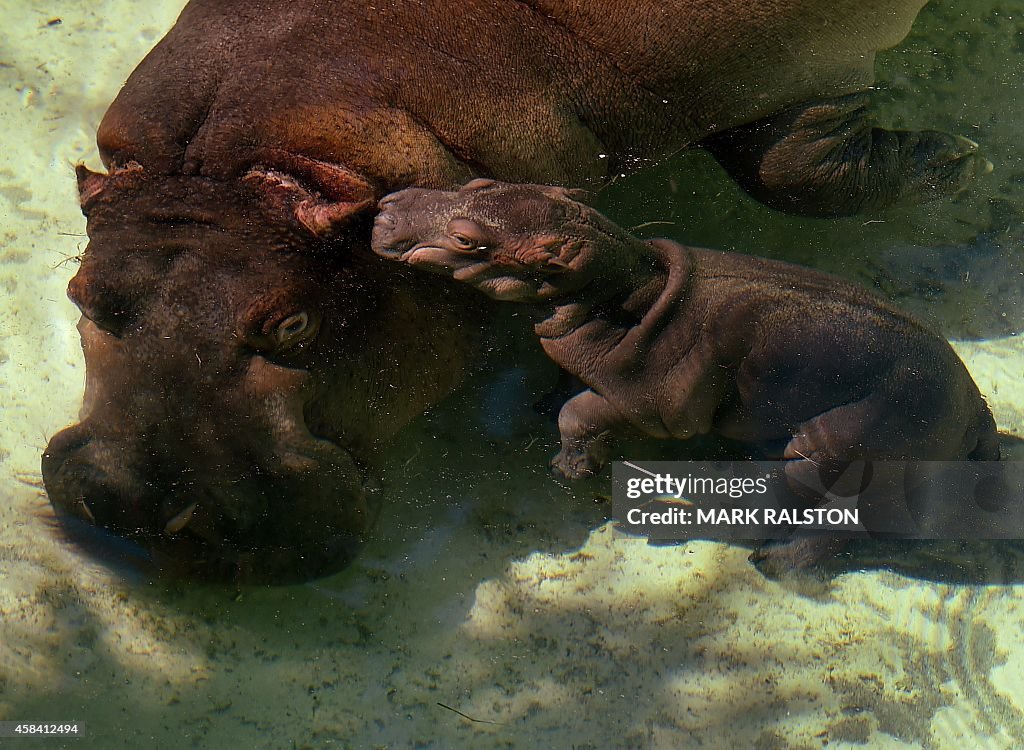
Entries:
{"x":387,"y":241}
{"x":385,"y":223}
{"x":389,"y":201}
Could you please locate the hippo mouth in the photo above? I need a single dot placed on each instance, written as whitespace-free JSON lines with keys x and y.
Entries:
{"x":254,"y":529}
{"x":193,"y":545}
{"x":289,"y":542}
{"x":257,"y":498}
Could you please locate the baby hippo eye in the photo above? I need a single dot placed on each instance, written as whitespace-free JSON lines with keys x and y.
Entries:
{"x":466,"y":235}
{"x":463,"y":241}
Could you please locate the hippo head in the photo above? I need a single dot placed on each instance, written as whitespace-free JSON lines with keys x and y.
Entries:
{"x":242,"y":365}
{"x":523,"y":243}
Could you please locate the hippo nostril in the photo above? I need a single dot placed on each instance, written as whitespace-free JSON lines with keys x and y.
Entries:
{"x":88,"y":479}
{"x":59,"y":451}
{"x":385,"y":221}
{"x":105,"y":307}
{"x":64,"y":443}
{"x":113,"y":319}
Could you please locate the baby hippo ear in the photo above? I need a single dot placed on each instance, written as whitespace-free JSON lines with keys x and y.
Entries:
{"x":340,"y":194}
{"x":543,"y":259}
{"x":574,"y":194}
{"x":554,"y":264}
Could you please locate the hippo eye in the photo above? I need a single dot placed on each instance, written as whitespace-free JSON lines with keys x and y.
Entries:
{"x":466,"y":235}
{"x":292,"y":328}
{"x":272,"y":325}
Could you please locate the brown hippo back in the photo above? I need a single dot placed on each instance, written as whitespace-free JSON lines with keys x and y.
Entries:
{"x":430,"y":93}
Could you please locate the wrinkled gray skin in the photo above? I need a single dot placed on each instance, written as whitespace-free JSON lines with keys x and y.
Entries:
{"x":675,"y":341}
{"x":245,"y":155}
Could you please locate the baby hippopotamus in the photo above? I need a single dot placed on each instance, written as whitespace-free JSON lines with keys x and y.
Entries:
{"x":676,"y":341}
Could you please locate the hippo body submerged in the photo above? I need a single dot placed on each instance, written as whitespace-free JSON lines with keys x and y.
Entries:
{"x":674,"y":341}
{"x":246,"y":354}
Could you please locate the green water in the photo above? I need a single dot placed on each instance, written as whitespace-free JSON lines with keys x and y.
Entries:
{"x":489,"y":587}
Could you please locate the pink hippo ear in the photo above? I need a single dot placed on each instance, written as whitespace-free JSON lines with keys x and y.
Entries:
{"x":90,"y":184}
{"x":339,"y":193}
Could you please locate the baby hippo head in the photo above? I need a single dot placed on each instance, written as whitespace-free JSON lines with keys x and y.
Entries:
{"x":523,"y":243}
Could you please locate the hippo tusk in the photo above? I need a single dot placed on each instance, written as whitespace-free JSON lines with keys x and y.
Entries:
{"x":181,"y":520}
{"x":83,"y":510}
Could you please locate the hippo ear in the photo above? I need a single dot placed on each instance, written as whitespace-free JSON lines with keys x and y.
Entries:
{"x":93,"y":185}
{"x":90,"y":185}
{"x":341,"y":194}
{"x":554,"y":264}
{"x":325,"y":218}
{"x":480,"y":183}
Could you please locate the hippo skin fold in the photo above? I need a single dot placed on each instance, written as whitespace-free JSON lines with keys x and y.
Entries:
{"x":246,"y":353}
{"x":675,"y":342}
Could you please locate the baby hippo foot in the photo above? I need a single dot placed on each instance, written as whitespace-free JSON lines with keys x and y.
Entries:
{"x":585,"y":424}
{"x":579,"y":459}
{"x":776,"y":558}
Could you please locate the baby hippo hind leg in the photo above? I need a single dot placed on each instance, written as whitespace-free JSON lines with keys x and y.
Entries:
{"x":824,"y":158}
{"x":585,"y":422}
{"x":775,"y":559}
{"x":842,"y":451}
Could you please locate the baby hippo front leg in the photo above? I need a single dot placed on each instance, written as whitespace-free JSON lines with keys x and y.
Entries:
{"x":586,"y":423}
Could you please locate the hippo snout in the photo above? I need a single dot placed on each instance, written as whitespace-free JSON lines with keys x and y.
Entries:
{"x":299,"y":512}
{"x":83,"y":482}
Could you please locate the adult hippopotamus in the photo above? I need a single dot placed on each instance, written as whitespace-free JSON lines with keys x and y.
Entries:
{"x":246,"y":352}
{"x":674,"y":341}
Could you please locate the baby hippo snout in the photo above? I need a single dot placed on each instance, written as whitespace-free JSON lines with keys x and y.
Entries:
{"x":388,"y":241}
{"x":404,"y":218}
